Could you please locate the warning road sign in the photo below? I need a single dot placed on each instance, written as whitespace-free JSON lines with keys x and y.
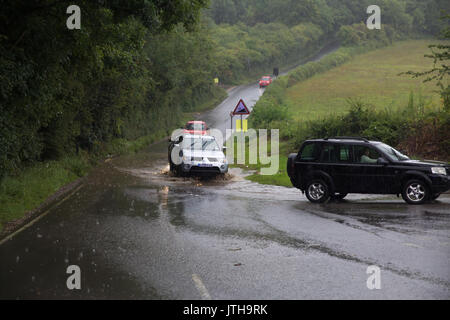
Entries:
{"x":241,"y":109}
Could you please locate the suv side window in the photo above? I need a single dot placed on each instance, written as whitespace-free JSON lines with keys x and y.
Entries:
{"x":310,"y":152}
{"x":329,"y":153}
{"x":345,"y":153}
{"x":365,"y":155}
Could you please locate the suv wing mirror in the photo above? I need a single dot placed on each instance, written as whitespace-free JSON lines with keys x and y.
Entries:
{"x":382,"y":161}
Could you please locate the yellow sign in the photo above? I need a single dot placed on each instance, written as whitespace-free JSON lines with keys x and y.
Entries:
{"x":216,"y":80}
{"x":244,"y":126}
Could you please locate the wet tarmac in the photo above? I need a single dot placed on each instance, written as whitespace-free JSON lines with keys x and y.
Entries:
{"x":137,"y":232}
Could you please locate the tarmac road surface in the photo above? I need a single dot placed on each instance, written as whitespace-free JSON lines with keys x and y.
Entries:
{"x":136,"y":232}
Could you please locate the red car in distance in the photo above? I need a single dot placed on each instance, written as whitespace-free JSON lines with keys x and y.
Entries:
{"x":265,"y":81}
{"x":196,"y":128}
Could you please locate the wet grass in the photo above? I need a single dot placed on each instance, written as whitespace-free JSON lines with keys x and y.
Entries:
{"x":28,"y":189}
{"x":280,"y":178}
{"x":372,"y":77}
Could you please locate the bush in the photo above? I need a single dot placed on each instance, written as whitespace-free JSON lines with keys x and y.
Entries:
{"x":358,"y":34}
{"x":77,"y":165}
{"x":418,"y":132}
{"x":267,"y":114}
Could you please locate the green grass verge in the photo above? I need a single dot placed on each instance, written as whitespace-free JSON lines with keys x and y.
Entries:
{"x":280,"y":178}
{"x":29,"y":188}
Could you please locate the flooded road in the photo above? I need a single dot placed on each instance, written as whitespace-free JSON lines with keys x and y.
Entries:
{"x":136,"y":232}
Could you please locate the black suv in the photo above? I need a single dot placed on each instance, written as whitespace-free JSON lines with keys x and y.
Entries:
{"x":333,"y":167}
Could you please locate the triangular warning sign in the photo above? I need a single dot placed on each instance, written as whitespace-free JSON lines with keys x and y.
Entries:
{"x":241,"y":109}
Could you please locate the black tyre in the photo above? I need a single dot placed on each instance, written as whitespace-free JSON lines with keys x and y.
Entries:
{"x":415,"y":192}
{"x":317,"y":191}
{"x":339,"y":196}
{"x":178,"y":171}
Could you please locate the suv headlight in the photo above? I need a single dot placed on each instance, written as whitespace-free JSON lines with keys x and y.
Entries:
{"x":438,"y":170}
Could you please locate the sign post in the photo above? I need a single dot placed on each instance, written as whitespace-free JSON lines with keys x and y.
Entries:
{"x":241,"y":110}
{"x":231,"y":120}
{"x":242,"y":138}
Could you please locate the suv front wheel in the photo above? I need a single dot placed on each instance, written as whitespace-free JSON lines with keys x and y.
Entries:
{"x":415,"y":192}
{"x":317,"y":191}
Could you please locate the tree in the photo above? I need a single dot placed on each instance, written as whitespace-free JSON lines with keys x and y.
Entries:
{"x":440,"y":53}
{"x":61,"y":90}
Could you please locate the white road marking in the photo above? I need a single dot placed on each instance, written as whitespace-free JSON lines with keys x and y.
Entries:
{"x":201,"y":287}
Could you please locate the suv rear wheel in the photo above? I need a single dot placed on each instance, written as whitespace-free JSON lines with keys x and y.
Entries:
{"x":415,"y":192}
{"x":317,"y":191}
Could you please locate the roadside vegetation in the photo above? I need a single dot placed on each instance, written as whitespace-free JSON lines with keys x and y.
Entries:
{"x":138,"y":69}
{"x":24,"y":192}
{"x":364,"y":96}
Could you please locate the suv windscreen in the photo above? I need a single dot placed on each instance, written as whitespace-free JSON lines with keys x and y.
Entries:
{"x":392,"y":153}
{"x":195,"y":126}
{"x":200,"y":144}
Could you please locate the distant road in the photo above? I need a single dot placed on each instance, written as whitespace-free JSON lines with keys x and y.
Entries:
{"x":219,"y":118}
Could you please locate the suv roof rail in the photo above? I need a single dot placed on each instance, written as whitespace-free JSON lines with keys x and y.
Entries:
{"x":348,"y":138}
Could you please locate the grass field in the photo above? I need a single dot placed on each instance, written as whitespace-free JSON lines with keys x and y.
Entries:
{"x":372,"y":77}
